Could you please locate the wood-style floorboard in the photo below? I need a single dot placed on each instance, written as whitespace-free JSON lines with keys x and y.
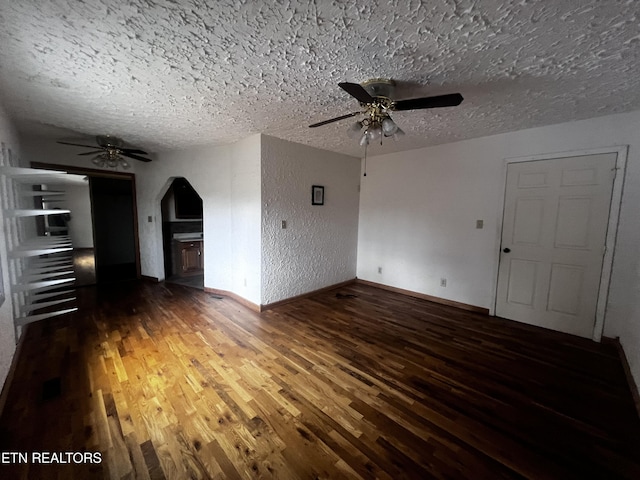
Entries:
{"x":171,"y":382}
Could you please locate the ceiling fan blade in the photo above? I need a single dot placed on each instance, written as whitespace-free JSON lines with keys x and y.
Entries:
{"x":91,"y":153}
{"x":357,"y":91}
{"x":78,"y":144}
{"x":337,"y":119}
{"x":135,"y":157}
{"x":438,"y":101}
{"x":133,"y":150}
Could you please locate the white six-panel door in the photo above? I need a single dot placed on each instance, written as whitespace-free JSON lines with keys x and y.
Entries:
{"x":553,"y":241}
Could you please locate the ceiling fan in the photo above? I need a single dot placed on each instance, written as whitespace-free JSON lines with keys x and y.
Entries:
{"x":111,"y":152}
{"x":376,"y":97}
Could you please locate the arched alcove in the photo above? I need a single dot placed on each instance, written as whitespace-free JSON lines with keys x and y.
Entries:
{"x":182,"y":233}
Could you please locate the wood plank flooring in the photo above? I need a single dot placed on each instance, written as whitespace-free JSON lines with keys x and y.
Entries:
{"x":171,"y":382}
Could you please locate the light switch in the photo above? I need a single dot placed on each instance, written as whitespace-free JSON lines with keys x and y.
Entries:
{"x":284,"y":224}
{"x":149,"y":219}
{"x":479,"y":223}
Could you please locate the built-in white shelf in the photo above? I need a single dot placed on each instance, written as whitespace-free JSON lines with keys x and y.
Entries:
{"x":44,"y":280}
{"x":25,"y":287}
{"x":45,"y":269}
{"x":37,"y":252}
{"x":39,"y":277}
{"x":35,"y":212}
{"x":41,"y":193}
{"x":34,"y":318}
{"x":35,"y":176}
{"x":48,"y":241}
{"x":30,"y":307}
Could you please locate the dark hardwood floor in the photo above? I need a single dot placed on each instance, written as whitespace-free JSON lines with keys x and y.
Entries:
{"x":171,"y":382}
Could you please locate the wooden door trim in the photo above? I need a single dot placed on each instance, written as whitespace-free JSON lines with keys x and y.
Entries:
{"x":621,"y":152}
{"x":105,"y":174}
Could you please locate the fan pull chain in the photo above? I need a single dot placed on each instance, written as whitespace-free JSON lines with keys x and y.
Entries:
{"x":365,"y":158}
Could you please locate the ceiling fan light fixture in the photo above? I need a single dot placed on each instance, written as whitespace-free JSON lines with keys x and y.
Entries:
{"x":374,"y":132}
{"x":355,"y":129}
{"x":389,"y":127}
{"x":113,"y":152}
{"x":377,"y":99}
{"x":110,"y":160}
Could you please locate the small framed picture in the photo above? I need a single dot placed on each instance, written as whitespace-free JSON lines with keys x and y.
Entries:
{"x":317,"y":195}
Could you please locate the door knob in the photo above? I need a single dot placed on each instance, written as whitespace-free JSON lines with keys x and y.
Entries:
{"x":506,"y":250}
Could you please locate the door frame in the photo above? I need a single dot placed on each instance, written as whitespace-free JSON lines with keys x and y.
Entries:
{"x":93,"y":172}
{"x":612,"y":224}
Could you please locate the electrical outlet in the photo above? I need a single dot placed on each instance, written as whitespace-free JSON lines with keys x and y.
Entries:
{"x":479,"y":223}
{"x":443,"y":282}
{"x":379,"y":269}
{"x":149,"y":219}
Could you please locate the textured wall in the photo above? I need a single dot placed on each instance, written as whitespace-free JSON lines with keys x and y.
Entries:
{"x":8,"y":140}
{"x":246,"y":211}
{"x":318,"y":247}
{"x":227,"y":178}
{"x":418,"y":212}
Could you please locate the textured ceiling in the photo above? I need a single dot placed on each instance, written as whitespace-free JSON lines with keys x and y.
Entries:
{"x":170,"y":74}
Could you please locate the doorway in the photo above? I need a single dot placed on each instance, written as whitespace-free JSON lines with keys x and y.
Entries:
{"x":115,"y":245}
{"x":113,"y":254}
{"x":556,"y":224}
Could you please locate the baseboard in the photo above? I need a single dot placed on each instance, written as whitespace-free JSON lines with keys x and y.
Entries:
{"x":269,"y":306}
{"x":150,"y":279}
{"x":627,"y":370}
{"x":424,"y":296}
{"x":236,"y":297}
{"x":12,"y":369}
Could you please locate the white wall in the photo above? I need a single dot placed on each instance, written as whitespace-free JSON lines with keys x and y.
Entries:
{"x":418,"y":211}
{"x":8,"y":141}
{"x":227,"y":178}
{"x":318,"y":247}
